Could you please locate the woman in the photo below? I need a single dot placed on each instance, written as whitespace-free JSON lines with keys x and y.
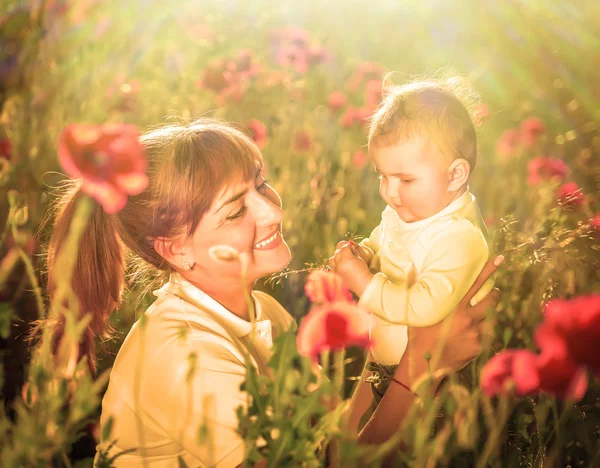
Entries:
{"x":182,"y":365}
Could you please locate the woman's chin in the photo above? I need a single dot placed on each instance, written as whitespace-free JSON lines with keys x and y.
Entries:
{"x":275,"y":260}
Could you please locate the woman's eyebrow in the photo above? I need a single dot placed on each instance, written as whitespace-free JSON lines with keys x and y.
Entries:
{"x":232,"y":199}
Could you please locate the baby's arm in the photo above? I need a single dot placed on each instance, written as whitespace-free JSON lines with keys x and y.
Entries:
{"x":457,"y":256}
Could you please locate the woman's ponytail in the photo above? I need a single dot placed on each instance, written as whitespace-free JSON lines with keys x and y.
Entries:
{"x":98,"y":275}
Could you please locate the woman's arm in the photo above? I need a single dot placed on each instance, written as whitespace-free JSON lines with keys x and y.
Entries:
{"x":462,"y":343}
{"x":361,"y":398}
{"x":391,"y":411}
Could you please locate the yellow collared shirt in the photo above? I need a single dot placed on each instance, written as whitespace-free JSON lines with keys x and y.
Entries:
{"x":182,"y":371}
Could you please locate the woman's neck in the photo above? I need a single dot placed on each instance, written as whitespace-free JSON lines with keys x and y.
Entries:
{"x":231,"y":295}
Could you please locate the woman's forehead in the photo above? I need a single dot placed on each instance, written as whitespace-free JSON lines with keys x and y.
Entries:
{"x":236,"y":185}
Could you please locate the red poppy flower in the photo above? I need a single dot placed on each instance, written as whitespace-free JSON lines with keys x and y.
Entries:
{"x":245,"y":65}
{"x":108,"y":158}
{"x":303,"y":142}
{"x":559,"y":373}
{"x":363,"y":114}
{"x":332,"y":327}
{"x":360,"y":159}
{"x":567,"y":340}
{"x":508,"y":143}
{"x":570,"y":195}
{"x":364,"y":71}
{"x":326,"y":286}
{"x":229,"y":77}
{"x":337,"y":100}
{"x":216,"y":77}
{"x":545,"y":168}
{"x":531,"y":129}
{"x":258,"y":132}
{"x":373,"y":93}
{"x":290,"y":55}
{"x":5,"y":149}
{"x":577,"y":322}
{"x":350,"y":117}
{"x":516,"y":367}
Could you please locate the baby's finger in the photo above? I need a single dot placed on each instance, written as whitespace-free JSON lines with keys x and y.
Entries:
{"x":341,"y":244}
{"x":346,"y":252}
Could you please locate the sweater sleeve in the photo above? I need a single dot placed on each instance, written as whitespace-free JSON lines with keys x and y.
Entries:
{"x":453,"y":262}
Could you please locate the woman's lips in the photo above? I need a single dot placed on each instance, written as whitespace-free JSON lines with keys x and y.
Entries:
{"x":274,"y":240}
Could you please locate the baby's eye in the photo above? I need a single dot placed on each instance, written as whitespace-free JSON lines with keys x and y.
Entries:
{"x":408,"y":181}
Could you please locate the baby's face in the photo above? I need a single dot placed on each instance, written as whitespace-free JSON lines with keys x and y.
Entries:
{"x":414,"y":179}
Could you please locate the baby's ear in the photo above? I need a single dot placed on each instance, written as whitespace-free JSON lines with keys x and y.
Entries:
{"x":458,"y":174}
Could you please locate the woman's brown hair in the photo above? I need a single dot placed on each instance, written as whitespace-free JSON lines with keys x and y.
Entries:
{"x":188,"y":165}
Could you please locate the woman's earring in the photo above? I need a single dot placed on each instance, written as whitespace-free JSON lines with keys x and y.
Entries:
{"x":187,"y":266}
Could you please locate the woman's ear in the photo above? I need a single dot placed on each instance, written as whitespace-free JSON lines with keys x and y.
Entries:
{"x":458,"y":174}
{"x":169,"y":249}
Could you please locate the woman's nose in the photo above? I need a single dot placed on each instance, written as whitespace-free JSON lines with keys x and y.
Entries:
{"x":267,"y":209}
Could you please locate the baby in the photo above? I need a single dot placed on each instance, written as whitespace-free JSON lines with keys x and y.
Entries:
{"x":422,"y":258}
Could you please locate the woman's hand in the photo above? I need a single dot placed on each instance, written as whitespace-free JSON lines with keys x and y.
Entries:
{"x":455,"y":341}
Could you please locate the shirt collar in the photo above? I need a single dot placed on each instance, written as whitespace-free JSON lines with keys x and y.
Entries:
{"x":392,"y":218}
{"x":239,"y":327}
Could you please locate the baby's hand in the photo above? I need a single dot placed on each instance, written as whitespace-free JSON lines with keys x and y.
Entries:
{"x":361,"y":251}
{"x":352,"y":268}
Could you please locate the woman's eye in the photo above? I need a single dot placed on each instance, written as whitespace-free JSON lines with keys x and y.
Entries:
{"x":238,"y":214}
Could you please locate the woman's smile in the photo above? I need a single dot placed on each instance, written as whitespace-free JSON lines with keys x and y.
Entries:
{"x":274,"y":240}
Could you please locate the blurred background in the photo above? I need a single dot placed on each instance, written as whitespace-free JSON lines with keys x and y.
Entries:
{"x":301,"y":77}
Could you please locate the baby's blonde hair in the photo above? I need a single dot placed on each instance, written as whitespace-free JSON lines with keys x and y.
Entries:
{"x":437,"y":111}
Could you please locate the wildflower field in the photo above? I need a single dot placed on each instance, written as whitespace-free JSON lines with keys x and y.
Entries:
{"x":302,"y":79}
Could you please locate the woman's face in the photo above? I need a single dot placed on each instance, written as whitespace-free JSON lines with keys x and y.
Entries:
{"x":247,"y":216}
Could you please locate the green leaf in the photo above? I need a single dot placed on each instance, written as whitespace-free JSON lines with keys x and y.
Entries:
{"x":6,"y":315}
{"x":506,"y":336}
{"x":107,"y":429}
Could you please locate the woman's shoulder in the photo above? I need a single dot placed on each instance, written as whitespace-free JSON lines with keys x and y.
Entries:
{"x":171,"y":330}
